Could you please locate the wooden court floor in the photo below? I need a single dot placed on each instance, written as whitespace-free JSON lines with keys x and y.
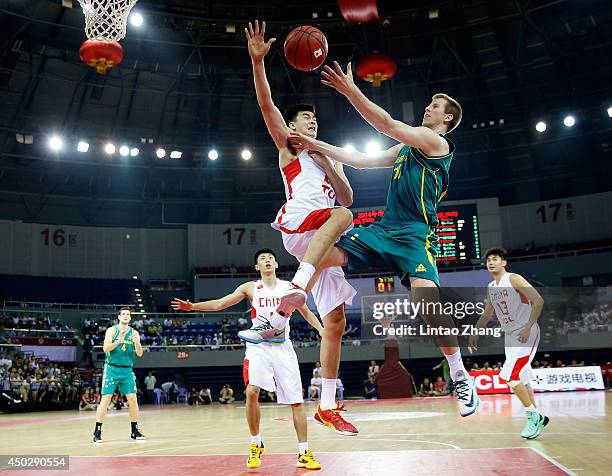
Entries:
{"x":403,"y":437}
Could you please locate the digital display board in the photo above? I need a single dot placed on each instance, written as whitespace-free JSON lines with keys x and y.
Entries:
{"x":457,"y":230}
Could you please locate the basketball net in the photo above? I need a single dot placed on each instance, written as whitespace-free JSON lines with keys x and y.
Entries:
{"x":106,"y":20}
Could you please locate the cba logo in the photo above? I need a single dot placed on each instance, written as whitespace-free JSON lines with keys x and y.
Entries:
{"x":420,"y":269}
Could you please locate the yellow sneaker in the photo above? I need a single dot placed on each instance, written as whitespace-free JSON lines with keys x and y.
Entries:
{"x":255,"y":453}
{"x":308,"y":461}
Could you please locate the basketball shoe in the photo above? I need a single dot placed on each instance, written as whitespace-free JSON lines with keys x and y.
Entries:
{"x":465,"y":389}
{"x":136,"y":435}
{"x":308,"y":461}
{"x":262,"y":331}
{"x":332,"y":419}
{"x":97,"y":438}
{"x":294,"y":298}
{"x":255,"y":453}
{"x":534,"y":425}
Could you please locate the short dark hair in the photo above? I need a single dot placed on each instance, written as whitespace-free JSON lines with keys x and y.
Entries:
{"x":452,"y":107}
{"x":292,"y":111}
{"x":501,"y":252}
{"x":261,"y":252}
{"x":125,"y":308}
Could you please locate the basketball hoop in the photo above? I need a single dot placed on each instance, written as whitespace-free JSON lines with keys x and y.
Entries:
{"x":105,"y":26}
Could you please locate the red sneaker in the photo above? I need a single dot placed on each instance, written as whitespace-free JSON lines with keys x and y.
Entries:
{"x":332,"y":419}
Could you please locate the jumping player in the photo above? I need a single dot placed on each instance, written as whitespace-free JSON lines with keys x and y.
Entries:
{"x":312,"y":185}
{"x":271,"y":366}
{"x":405,"y":239}
{"x":517,"y":306}
{"x":122,"y":345}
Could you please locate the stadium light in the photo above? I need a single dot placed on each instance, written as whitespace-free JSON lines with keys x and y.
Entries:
{"x":136,"y":19}
{"x":540,"y":126}
{"x":161,"y":153}
{"x":372,"y":148}
{"x":124,"y":150}
{"x":246,"y":154}
{"x":56,"y":143}
{"x":213,"y":154}
{"x":82,"y":146}
{"x":569,"y":121}
{"x":349,"y":148}
{"x":134,"y":151}
{"x":109,"y":148}
{"x":610,"y":112}
{"x":176,"y":154}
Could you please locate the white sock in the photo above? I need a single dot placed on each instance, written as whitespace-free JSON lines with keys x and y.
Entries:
{"x":303,"y":275}
{"x":278,"y":321}
{"x":303,"y":447}
{"x":455,"y":363}
{"x":531,"y":408}
{"x":328,"y":393}
{"x":256,"y":439}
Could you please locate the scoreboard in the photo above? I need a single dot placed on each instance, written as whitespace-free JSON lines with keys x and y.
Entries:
{"x":457,"y":230}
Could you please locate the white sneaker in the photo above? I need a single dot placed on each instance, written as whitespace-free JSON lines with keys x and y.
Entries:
{"x":465,"y":389}
{"x":294,"y":298}
{"x":264,"y":331}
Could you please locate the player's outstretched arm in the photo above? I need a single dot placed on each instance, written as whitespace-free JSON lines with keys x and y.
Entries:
{"x":258,"y":49}
{"x":421,"y":137}
{"x":483,"y":320}
{"x":311,"y":318}
{"x":241,"y":292}
{"x":354,"y":159}
{"x":537,"y":303}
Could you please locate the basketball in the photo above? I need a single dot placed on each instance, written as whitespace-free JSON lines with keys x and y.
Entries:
{"x":306,"y":48}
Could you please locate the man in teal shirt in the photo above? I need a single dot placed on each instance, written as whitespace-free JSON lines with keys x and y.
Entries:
{"x":404,"y":240}
{"x":122,"y":346}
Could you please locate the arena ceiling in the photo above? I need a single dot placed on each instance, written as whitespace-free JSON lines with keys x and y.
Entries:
{"x":186,"y":84}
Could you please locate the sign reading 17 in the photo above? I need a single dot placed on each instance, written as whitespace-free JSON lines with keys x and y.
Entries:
{"x":237,"y":234}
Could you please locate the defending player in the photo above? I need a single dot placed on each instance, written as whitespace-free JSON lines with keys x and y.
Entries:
{"x":271,"y":366}
{"x":122,"y":345}
{"x":405,"y":239}
{"x":517,"y":306}
{"x":312,"y":185}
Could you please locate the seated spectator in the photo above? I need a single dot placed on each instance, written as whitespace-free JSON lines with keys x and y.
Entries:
{"x":88,"y":401}
{"x":426,"y":389}
{"x":205,"y":396}
{"x":559,"y":364}
{"x":487,"y":367}
{"x":440,"y":387}
{"x":192,"y":397}
{"x":370,"y":389}
{"x":226,"y":395}
{"x":475,"y":366}
{"x":317,"y":369}
{"x":373,"y":370}
{"x":314,"y":389}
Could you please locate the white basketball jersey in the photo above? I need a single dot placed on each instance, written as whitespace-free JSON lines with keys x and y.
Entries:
{"x":307,"y":188}
{"x":265,"y":301}
{"x":511,"y":307}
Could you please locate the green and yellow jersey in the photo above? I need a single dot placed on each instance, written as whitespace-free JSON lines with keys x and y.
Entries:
{"x":123,"y":355}
{"x":418,"y":184}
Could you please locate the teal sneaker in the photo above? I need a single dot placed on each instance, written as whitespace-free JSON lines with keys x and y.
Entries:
{"x":531,"y":425}
{"x":541,"y":423}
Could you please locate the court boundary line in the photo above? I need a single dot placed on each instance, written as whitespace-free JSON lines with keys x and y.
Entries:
{"x":550,"y":459}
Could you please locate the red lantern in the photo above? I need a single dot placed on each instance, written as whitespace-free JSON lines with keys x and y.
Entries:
{"x":359,"y":11}
{"x":101,"y":55}
{"x":376,"y":68}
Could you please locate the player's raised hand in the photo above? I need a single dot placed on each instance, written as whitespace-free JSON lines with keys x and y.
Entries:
{"x":135,"y":337}
{"x":180,"y":305}
{"x":301,"y":141}
{"x":473,"y":344}
{"x":337,"y":79}
{"x":258,"y":47}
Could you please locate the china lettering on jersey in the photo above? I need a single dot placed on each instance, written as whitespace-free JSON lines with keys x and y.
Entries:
{"x":266,"y":300}
{"x":511,"y":307}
